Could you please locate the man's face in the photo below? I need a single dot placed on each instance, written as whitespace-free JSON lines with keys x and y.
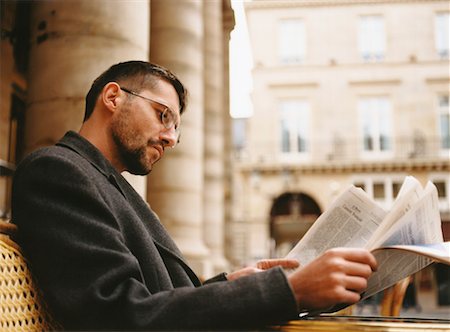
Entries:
{"x":138,"y":133}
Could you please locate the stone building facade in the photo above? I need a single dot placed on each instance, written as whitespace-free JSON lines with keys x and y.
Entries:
{"x":344,"y":92}
{"x":52,"y":50}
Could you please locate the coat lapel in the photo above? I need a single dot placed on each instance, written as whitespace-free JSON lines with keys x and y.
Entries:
{"x":166,"y":246}
{"x":160,"y":236}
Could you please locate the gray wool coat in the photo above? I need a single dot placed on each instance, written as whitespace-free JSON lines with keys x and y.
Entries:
{"x":105,"y":262}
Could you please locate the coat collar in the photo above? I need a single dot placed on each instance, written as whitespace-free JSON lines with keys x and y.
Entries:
{"x":83,"y":147}
{"x":86,"y":149}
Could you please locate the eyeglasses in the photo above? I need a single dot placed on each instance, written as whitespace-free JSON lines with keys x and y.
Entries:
{"x":168,"y":117}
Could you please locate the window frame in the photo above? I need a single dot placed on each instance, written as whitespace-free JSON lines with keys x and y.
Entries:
{"x":441,"y":34}
{"x":443,"y":111}
{"x":290,"y":30}
{"x":296,"y":113}
{"x":370,"y":180}
{"x":370,"y":105}
{"x":372,"y":31}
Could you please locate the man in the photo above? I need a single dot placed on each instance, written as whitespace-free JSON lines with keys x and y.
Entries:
{"x":101,"y":256}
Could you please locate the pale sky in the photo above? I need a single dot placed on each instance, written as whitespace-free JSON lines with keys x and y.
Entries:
{"x":240,"y":65}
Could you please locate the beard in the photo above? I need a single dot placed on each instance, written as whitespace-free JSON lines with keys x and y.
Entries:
{"x":134,"y":159}
{"x":131,"y":146}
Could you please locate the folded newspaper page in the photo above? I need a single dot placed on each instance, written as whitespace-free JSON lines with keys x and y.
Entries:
{"x":409,"y":194}
{"x":420,"y":225}
{"x":399,"y":261}
{"x":404,"y":241}
{"x":438,"y":252}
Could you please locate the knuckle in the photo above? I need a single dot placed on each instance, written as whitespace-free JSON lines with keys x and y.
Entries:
{"x":335,"y":279}
{"x":338,"y":293}
{"x":332,"y":252}
{"x":337,"y":264}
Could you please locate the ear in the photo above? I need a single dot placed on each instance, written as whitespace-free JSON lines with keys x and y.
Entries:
{"x":111,"y":96}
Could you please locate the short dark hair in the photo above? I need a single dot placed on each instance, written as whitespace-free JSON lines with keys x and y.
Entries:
{"x":136,"y":74}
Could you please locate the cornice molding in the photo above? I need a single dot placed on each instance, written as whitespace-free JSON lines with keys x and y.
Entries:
{"x":375,"y":82}
{"x":263,"y":4}
{"x":438,"y":80}
{"x":329,"y":168}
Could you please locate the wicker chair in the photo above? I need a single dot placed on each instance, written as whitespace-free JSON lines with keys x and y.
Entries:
{"x":21,"y":304}
{"x":392,"y":301}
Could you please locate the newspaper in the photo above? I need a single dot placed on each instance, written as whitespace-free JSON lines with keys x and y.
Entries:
{"x":404,"y":240}
{"x":349,"y":222}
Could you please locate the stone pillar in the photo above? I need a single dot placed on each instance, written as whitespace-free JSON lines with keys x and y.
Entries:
{"x":213,"y":194}
{"x":228,"y":25}
{"x":175,"y":186}
{"x":72,"y":42}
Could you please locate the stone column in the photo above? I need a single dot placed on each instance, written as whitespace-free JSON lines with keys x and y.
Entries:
{"x":213,"y":194}
{"x":228,"y":25}
{"x":72,"y":42}
{"x":175,"y":186}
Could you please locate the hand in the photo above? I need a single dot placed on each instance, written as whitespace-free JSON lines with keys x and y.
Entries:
{"x":337,"y":276}
{"x":262,"y":265}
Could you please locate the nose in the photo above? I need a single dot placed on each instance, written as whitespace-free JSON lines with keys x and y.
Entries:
{"x":169,"y":137}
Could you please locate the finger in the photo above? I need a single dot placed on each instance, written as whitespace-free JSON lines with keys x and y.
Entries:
{"x":356,"y":284}
{"x":356,"y":255}
{"x":243,"y":273}
{"x":357,"y":269}
{"x":348,"y":296}
{"x":284,"y":263}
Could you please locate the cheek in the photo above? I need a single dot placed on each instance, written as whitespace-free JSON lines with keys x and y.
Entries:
{"x":136,"y":125}
{"x":148,"y":126}
{"x":124,"y":127}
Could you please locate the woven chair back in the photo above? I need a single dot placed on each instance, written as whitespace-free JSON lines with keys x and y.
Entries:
{"x":21,"y":304}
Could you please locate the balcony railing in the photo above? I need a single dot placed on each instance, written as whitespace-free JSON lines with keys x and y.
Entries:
{"x":412,"y":149}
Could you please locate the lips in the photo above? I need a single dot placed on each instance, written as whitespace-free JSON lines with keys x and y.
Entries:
{"x":159,"y":148}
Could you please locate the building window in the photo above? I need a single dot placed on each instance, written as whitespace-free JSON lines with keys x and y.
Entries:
{"x":442,"y":27}
{"x":383,"y":190}
{"x":292,"y":41}
{"x":294,"y":124}
{"x":396,"y":188}
{"x":444,"y":123}
{"x":371,"y":37}
{"x":379,"y":191}
{"x":375,"y":115}
{"x":442,"y":183}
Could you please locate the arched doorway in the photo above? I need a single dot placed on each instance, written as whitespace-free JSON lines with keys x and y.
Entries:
{"x":292,"y":214}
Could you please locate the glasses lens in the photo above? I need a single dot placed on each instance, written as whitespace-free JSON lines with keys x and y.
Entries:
{"x":166,"y":118}
{"x":169,"y":119}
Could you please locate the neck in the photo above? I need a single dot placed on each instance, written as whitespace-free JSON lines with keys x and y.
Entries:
{"x":100,"y":137}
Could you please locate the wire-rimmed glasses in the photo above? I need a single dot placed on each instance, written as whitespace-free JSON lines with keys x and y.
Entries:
{"x":168,"y":117}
